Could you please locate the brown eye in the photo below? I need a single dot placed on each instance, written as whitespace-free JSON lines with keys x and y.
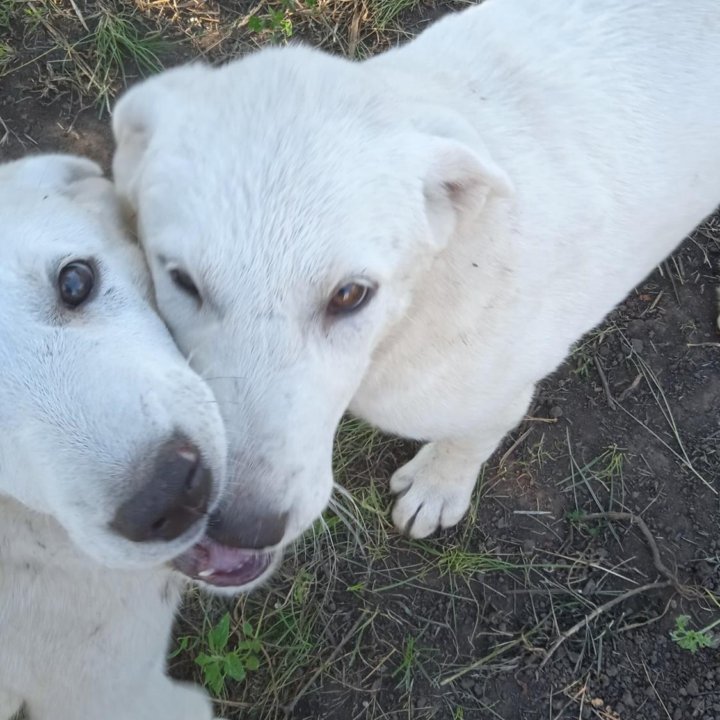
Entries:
{"x":348,"y":298}
{"x":75,"y":283}
{"x":184,"y":282}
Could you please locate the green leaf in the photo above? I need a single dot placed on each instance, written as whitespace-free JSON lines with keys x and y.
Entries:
{"x":218,"y":636}
{"x":247,"y":629}
{"x":234,"y":667}
{"x":252,"y":663}
{"x":681,"y":622}
{"x":202,"y":659}
{"x":248,"y":645}
{"x":183,"y":644}
{"x":214,"y":678}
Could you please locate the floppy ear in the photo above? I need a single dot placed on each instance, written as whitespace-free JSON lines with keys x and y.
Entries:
{"x":54,"y":172}
{"x":136,"y":117}
{"x":458,"y":182}
{"x":133,"y":123}
{"x":460,"y":175}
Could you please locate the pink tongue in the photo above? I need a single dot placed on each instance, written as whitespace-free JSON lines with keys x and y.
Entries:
{"x":223,"y":558}
{"x":222,"y":565}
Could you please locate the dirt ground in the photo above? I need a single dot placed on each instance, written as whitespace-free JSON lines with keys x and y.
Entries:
{"x":594,"y":531}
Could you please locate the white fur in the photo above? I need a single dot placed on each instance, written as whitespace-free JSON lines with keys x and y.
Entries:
{"x":505,"y":179}
{"x":85,"y":616}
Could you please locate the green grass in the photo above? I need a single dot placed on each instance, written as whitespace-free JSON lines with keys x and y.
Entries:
{"x":387,"y":12}
{"x":582,"y":355}
{"x":92,"y":50}
{"x":8,"y":8}
{"x":6,"y":54}
{"x":116,"y":41}
{"x":463,"y":563}
{"x":601,"y":479}
{"x":405,"y":671}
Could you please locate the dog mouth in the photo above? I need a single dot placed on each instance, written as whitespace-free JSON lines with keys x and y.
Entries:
{"x":218,"y":565}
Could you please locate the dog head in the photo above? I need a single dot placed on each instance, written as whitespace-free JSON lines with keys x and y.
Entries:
{"x":288,"y":209}
{"x":103,"y":426}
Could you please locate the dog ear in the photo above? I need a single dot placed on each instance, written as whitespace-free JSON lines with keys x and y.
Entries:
{"x":133,"y":123}
{"x":460,"y":174}
{"x":136,"y":117}
{"x":54,"y":172}
{"x":76,"y":178}
{"x":458,"y":182}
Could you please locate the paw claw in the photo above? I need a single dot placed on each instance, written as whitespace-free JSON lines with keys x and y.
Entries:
{"x":425,"y":499}
{"x":407,"y":530}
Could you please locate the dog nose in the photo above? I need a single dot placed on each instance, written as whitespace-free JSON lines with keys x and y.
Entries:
{"x":175,"y":497}
{"x":253,"y":533}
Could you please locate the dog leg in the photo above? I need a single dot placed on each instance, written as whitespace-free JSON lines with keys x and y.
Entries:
{"x":159,"y":699}
{"x":435,"y":487}
{"x":9,"y":705}
{"x":176,"y":700}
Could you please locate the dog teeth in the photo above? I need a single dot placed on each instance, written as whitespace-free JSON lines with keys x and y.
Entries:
{"x":188,"y":454}
{"x":206,"y":573}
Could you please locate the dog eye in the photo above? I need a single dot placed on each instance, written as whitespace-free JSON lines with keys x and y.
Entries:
{"x":184,"y":282}
{"x":349,"y":298}
{"x":75,"y":283}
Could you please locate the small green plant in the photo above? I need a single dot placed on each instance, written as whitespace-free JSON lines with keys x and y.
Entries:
{"x":6,"y":54}
{"x":575,"y":516}
{"x":302,"y":585}
{"x":276,"y":21}
{"x":225,"y":660}
{"x":185,"y":643}
{"x":34,"y":15}
{"x":583,"y":361}
{"x":406,"y":669}
{"x":693,"y":640}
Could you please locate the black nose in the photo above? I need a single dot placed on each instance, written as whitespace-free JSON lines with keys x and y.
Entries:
{"x":175,"y":496}
{"x":256,"y":532}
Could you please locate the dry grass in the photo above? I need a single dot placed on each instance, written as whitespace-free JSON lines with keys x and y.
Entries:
{"x":92,"y":49}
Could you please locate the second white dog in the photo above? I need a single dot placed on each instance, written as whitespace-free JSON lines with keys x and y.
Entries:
{"x":419,"y":237}
{"x":112,"y":454}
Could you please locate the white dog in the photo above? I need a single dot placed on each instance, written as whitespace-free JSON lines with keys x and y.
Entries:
{"x":112,"y":452}
{"x":419,"y":237}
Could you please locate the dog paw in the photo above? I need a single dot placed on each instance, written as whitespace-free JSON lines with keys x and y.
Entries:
{"x":431,"y":493}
